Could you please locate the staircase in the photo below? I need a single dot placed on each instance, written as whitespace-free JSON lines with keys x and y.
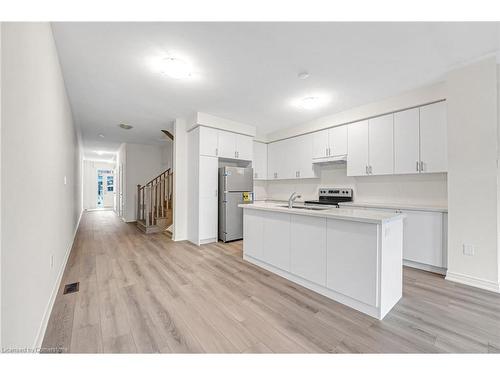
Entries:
{"x":154,"y":203}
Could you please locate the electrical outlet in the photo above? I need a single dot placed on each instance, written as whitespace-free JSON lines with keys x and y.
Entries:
{"x":468,"y":249}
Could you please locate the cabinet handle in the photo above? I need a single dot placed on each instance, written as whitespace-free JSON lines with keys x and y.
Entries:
{"x":421,"y":166}
{"x":216,"y":152}
{"x":366,"y":169}
{"x":417,"y":166}
{"x":329,"y":151}
{"x":371,"y":170}
{"x":298,"y":173}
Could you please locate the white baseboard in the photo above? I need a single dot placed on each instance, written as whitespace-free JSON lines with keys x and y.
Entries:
{"x":424,"y":267}
{"x":473,"y":281}
{"x":48,"y":310}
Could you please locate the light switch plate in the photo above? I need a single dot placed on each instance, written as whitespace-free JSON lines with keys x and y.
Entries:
{"x":468,"y":249}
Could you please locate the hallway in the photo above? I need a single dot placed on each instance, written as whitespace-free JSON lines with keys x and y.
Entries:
{"x":146,"y":293}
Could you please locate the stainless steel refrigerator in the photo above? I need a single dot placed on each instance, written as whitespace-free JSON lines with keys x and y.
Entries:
{"x":235,"y":187}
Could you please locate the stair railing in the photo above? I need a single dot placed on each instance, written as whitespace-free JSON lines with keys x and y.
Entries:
{"x":154,"y":198}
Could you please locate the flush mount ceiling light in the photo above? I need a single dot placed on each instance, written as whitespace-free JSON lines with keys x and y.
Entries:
{"x":303,"y":75}
{"x":125,"y":126}
{"x":311,"y":102}
{"x":100,"y":135}
{"x":176,"y":68}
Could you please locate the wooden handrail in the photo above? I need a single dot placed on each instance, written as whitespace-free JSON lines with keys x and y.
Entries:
{"x":154,"y":197}
{"x":161,"y":174}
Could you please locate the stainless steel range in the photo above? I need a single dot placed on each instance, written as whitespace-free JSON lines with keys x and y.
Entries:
{"x":332,"y":196}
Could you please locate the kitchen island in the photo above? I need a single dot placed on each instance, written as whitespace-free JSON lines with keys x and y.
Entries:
{"x":352,"y":256}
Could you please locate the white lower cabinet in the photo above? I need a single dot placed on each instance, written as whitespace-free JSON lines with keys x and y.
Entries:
{"x":423,"y":238}
{"x":276,"y":240}
{"x":308,"y":248}
{"x":253,"y":229}
{"x":352,"y":258}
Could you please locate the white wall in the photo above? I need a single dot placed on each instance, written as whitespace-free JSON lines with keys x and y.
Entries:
{"x":39,"y":212}
{"x":425,"y":189}
{"x":142,"y":164}
{"x":473,"y":174}
{"x":180,"y":184}
{"x":90,"y":169}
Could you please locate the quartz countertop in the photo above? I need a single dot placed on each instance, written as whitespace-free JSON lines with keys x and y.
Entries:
{"x":396,"y":206}
{"x":343,"y":213}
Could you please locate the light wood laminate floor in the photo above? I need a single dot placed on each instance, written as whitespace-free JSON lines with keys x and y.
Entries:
{"x":146,"y":293}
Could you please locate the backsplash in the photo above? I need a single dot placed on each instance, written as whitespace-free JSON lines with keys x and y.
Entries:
{"x":424,"y":189}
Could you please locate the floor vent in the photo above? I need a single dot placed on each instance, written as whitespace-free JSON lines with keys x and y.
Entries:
{"x":71,"y":288}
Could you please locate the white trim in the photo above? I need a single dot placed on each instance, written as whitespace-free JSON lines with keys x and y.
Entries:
{"x":45,"y":321}
{"x":424,"y":267}
{"x":211,"y":121}
{"x":473,"y":281}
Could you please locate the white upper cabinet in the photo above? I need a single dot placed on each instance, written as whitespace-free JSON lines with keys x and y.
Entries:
{"x":357,"y":146}
{"x":301,"y":155}
{"x":433,"y":139}
{"x":320,"y":144}
{"x":259,"y":161}
{"x":330,"y":142}
{"x":208,"y":141}
{"x":380,"y":145}
{"x":227,"y":145}
{"x":275,"y":159}
{"x":337,"y":138}
{"x":244,"y":147}
{"x":406,"y":141}
{"x":291,"y":158}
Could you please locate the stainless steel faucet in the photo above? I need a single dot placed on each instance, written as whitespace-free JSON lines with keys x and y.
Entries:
{"x":292,"y":199}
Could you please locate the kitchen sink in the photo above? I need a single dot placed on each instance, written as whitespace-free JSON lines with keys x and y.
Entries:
{"x":308,"y":208}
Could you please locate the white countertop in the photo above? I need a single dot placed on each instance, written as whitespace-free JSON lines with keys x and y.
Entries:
{"x":352,"y":214}
{"x":396,"y":206}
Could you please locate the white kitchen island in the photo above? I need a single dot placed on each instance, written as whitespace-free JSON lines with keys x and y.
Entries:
{"x":349,"y":255}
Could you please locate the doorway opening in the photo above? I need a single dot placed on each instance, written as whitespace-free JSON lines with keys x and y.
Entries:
{"x":105,"y":188}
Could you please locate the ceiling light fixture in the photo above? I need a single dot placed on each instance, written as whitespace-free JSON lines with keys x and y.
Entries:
{"x":100,"y":135}
{"x":125,"y":126}
{"x":176,"y":68}
{"x":311,"y":102}
{"x":303,"y":75}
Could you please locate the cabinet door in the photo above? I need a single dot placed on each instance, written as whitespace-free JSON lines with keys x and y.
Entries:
{"x":259,"y":161}
{"x":274,"y":159}
{"x":253,"y":230}
{"x":423,"y":238}
{"x":208,"y":194}
{"x":208,"y":141}
{"x":337,"y":140}
{"x":276,"y":240}
{"x":406,"y":141}
{"x":244,"y":147}
{"x":320,"y":144}
{"x":357,"y":148}
{"x":433,"y":144}
{"x":351,"y":259}
{"x":308,"y":248}
{"x":290,"y":163}
{"x":227,"y":144}
{"x":301,"y":157}
{"x":381,"y":145}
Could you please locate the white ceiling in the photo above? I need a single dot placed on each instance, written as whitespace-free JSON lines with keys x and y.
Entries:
{"x":247,"y":72}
